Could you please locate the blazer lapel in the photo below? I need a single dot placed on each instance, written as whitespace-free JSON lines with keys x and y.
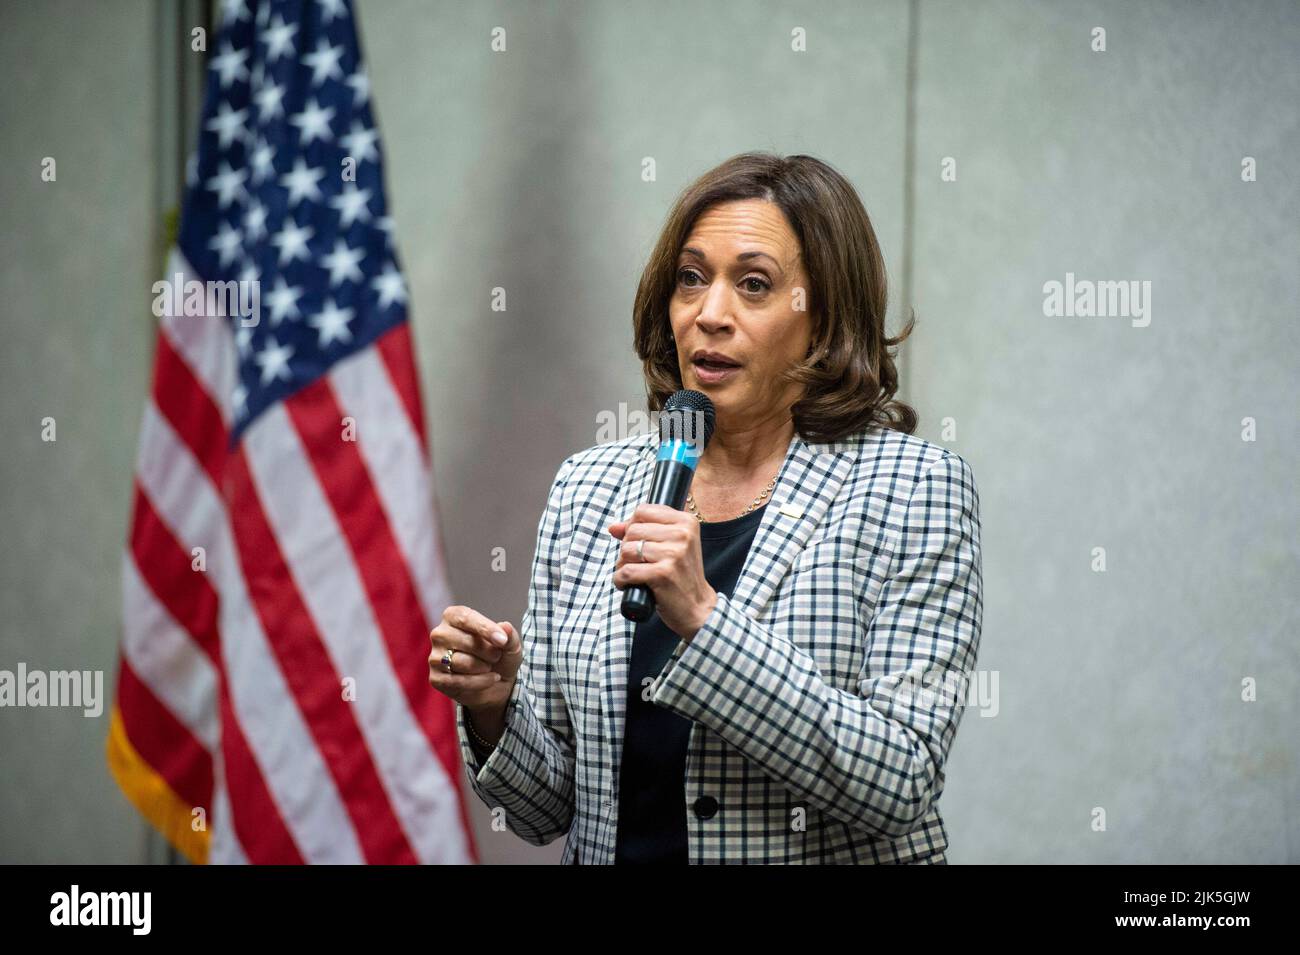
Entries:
{"x":805,"y":487}
{"x":807,"y":483}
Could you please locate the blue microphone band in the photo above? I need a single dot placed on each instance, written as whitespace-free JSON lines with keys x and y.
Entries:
{"x":683,"y":452}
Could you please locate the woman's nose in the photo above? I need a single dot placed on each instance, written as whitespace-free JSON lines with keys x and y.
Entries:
{"x":715,"y":310}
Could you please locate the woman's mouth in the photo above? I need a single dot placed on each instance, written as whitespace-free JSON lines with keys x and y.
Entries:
{"x":711,"y":371}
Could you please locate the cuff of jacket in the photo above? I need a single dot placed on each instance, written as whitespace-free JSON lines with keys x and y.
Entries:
{"x":513,"y":761}
{"x":678,"y":686}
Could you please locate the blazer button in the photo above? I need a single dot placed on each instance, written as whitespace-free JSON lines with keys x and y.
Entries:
{"x":706,"y":807}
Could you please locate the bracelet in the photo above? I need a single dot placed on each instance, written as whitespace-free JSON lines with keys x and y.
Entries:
{"x":475,"y":737}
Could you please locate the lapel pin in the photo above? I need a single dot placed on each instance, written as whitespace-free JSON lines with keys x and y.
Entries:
{"x":791,"y":510}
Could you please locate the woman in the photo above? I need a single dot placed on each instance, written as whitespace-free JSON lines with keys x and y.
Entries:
{"x":818,"y":604}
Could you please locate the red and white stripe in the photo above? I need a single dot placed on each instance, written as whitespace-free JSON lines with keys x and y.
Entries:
{"x":322,"y":566}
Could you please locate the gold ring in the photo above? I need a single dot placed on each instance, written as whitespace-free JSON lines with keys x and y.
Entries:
{"x":640,"y":551}
{"x":446,"y":660}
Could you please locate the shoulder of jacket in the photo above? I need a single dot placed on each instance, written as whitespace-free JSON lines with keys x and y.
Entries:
{"x":619,"y":452}
{"x":883,"y":454}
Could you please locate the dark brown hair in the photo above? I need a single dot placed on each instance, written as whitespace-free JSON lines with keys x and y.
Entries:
{"x":849,"y":376}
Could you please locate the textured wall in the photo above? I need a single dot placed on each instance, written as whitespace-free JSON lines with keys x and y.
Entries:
{"x":1120,"y":690}
{"x":522,"y":170}
{"x":77,"y":257}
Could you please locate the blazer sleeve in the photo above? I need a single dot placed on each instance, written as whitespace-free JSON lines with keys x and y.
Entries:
{"x":875,"y":758}
{"x":529,"y":774}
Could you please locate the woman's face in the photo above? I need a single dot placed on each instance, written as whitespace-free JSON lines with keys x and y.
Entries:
{"x":737,"y":277}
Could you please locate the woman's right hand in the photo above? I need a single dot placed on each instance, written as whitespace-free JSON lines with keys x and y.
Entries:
{"x":483,"y":668}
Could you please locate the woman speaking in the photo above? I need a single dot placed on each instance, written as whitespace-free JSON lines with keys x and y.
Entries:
{"x":795,"y":694}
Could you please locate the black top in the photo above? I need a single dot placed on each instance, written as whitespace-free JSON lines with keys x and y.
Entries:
{"x":652,"y":779}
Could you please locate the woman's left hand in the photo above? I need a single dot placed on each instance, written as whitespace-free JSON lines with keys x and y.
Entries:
{"x":673,"y":568}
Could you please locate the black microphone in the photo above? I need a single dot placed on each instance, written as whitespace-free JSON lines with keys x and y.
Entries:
{"x":685,"y":427}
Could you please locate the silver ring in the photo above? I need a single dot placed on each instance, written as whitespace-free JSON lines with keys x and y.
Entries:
{"x":640,"y":551}
{"x":446,"y":661}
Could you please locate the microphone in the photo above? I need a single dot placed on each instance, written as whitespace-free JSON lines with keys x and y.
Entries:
{"x":685,"y":427}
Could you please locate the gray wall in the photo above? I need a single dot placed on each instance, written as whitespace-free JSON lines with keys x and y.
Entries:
{"x":1121,"y":689}
{"x":77,"y":257}
{"x":522,"y":170}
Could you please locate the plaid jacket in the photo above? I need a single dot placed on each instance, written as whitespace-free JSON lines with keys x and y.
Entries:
{"x":825,"y":692}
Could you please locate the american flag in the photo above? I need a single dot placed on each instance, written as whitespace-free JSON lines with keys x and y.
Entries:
{"x":283,"y":567}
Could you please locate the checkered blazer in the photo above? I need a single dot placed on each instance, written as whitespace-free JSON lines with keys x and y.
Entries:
{"x":825,"y":692}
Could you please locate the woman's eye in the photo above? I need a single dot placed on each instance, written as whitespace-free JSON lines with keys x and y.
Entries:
{"x":748,"y":283}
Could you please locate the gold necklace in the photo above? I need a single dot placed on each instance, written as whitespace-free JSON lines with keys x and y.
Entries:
{"x":690,"y":502}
